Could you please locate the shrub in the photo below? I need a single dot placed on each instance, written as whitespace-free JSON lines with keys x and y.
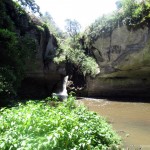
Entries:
{"x":37,"y":125}
{"x":7,"y":79}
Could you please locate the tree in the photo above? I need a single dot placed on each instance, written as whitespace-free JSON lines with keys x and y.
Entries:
{"x":118,"y":4}
{"x":72,"y":27}
{"x":72,"y":52}
{"x":48,"y":19}
{"x":135,"y":13}
{"x":31,"y":5}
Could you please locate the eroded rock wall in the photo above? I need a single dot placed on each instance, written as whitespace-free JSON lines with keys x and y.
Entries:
{"x":41,"y":74}
{"x":124,"y":59}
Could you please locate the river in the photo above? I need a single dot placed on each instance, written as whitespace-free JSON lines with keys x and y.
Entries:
{"x":131,"y":120}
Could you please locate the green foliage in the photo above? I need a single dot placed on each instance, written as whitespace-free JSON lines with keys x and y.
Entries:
{"x":48,"y":20}
{"x":132,"y":13}
{"x":5,"y":20}
{"x":8,"y":60}
{"x":55,"y":128}
{"x":103,"y":26}
{"x":70,"y":102}
{"x":16,"y":48}
{"x":72,"y":52}
{"x":72,"y":27}
{"x":54,"y":98}
{"x":85,"y":64}
{"x":27,"y":48}
{"x":40,"y":28}
{"x":30,"y":4}
{"x":14,"y":55}
{"x":7,"y":79}
{"x":136,"y":13}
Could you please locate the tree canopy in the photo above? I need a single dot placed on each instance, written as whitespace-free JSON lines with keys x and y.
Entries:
{"x":30,"y":4}
{"x":72,"y":27}
{"x":71,"y":51}
{"x":48,"y":19}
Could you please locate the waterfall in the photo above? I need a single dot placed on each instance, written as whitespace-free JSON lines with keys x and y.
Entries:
{"x":62,"y":94}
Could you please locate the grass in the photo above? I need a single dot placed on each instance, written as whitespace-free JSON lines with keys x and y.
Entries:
{"x":42,"y":126}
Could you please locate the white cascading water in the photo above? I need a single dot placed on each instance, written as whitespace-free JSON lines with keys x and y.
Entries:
{"x":63,"y":94}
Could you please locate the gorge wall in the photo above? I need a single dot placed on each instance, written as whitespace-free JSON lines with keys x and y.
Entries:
{"x":25,"y":45}
{"x":42,"y":74}
{"x":124,"y":59}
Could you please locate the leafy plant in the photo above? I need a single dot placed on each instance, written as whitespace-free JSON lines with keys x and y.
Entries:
{"x":72,"y":52}
{"x":136,"y":13}
{"x":62,"y":127}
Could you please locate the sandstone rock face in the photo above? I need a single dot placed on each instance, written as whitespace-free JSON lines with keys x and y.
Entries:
{"x":42,"y":74}
{"x":124,"y":59}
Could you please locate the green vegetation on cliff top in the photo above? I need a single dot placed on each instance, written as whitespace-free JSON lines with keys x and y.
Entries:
{"x":134,"y":14}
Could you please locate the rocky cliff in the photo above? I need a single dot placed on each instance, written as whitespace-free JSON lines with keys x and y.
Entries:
{"x":27,"y":47}
{"x":33,"y":37}
{"x":41,"y":74}
{"x":124,"y":59}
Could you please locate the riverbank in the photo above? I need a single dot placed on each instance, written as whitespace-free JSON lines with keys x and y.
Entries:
{"x":55,"y":125}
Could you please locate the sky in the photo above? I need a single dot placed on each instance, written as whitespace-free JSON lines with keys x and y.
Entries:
{"x":84,"y":11}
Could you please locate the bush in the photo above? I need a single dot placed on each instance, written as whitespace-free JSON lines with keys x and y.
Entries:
{"x":85,"y":64}
{"x":37,"y":125}
{"x":7,"y":79}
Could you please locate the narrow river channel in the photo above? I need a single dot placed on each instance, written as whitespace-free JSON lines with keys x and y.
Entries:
{"x":131,"y":120}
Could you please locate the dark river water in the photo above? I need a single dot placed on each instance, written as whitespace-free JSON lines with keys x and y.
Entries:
{"x":131,"y":120}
